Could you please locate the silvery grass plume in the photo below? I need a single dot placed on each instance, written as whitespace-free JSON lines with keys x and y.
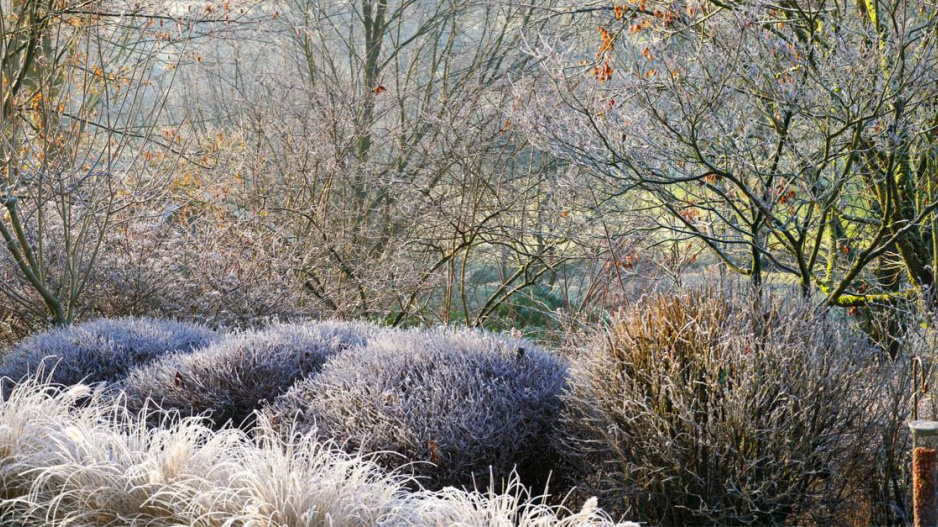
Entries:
{"x":102,"y":350}
{"x":511,"y":507}
{"x":447,"y":403}
{"x":94,"y":464}
{"x":27,"y":414}
{"x":230,"y":379}
{"x":98,"y":464}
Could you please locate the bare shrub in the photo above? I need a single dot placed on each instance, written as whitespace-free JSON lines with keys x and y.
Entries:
{"x":679,"y":414}
{"x":218,"y":269}
{"x":882,"y":488}
{"x":102,"y":350}
{"x":452,"y":403}
{"x":230,"y":379}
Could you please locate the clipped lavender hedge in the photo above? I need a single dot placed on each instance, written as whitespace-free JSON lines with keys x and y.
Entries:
{"x":103,"y":350}
{"x":230,"y":379}
{"x":449,"y":404}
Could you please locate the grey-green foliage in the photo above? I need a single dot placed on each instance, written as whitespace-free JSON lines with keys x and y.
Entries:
{"x":102,"y":350}
{"x":463,"y":400}
{"x":229,"y":379}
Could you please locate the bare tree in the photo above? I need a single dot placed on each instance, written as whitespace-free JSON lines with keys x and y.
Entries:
{"x":790,"y":137}
{"x":376,"y":145}
{"x":84,"y":86}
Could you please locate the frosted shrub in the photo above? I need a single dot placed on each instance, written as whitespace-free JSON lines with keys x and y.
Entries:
{"x":679,"y":414}
{"x":103,"y":350}
{"x":231,"y":378}
{"x":450,"y":403}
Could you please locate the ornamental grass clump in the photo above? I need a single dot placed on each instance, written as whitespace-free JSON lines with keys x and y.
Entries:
{"x":512,"y":505}
{"x":103,"y":350}
{"x":229,"y":380}
{"x":450,"y":405}
{"x":691,"y":410}
{"x":98,"y":464}
{"x":28,"y":411}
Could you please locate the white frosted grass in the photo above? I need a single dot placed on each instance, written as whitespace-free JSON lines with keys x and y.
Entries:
{"x":511,"y":507}
{"x":97,"y":464}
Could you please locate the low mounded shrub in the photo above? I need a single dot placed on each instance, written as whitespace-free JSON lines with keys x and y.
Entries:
{"x":230,"y":379}
{"x":103,"y":350}
{"x":97,"y":464}
{"x":679,"y":414}
{"x":450,"y":403}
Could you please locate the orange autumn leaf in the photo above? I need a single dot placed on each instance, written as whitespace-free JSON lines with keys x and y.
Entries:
{"x":603,"y":73}
{"x":607,"y":41}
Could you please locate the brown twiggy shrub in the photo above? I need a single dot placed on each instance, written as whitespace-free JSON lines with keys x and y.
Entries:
{"x":678,"y":414}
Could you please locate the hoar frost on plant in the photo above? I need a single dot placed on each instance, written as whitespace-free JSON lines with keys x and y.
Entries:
{"x":689,"y":411}
{"x":231,"y":378}
{"x":98,"y":464}
{"x":449,"y":403}
{"x":512,"y":506}
{"x":102,"y":350}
